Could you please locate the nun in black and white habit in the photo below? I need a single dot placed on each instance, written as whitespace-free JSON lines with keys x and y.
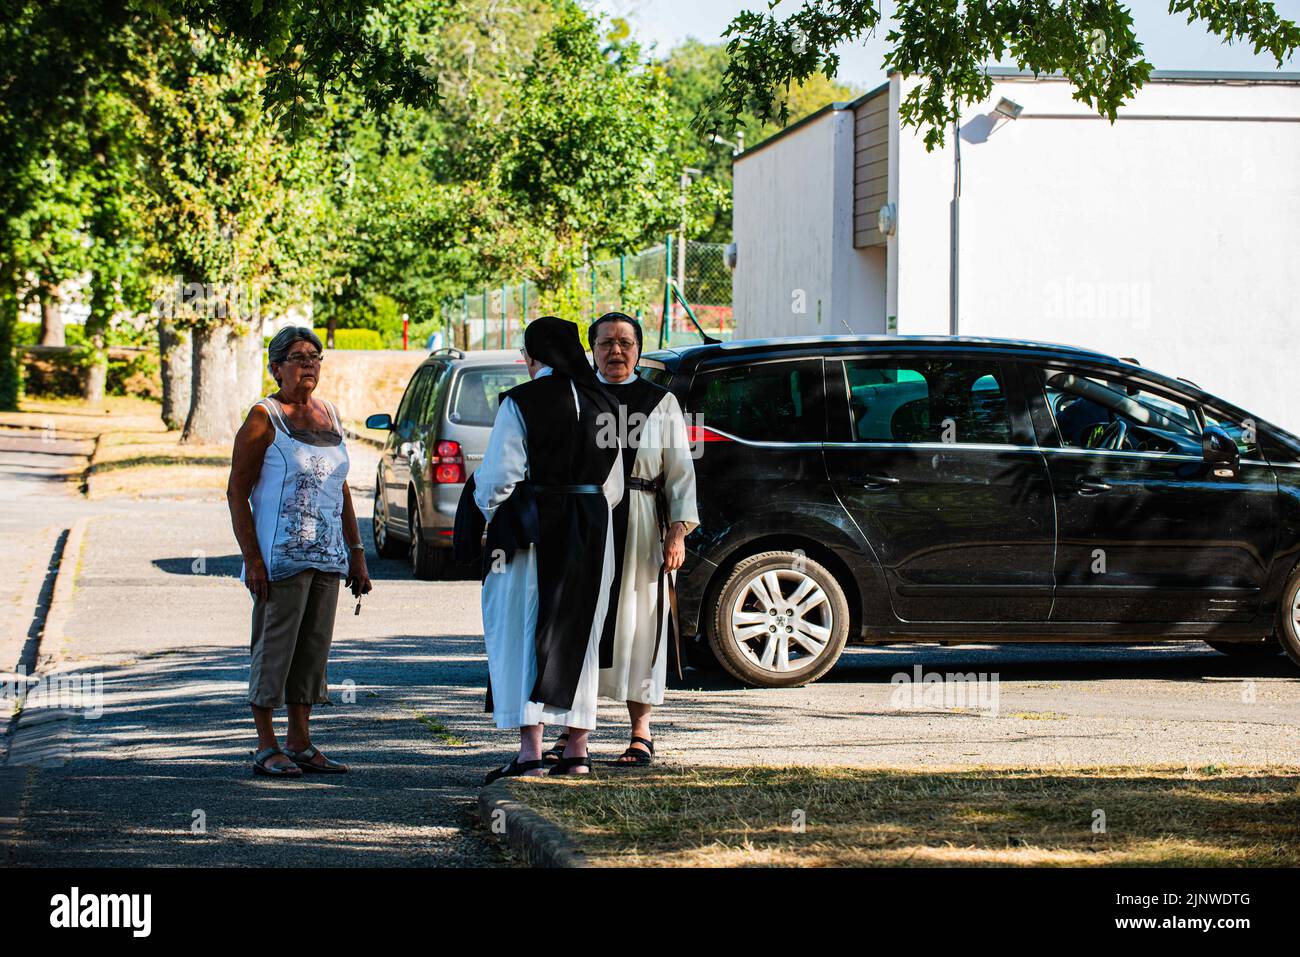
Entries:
{"x":546,"y":488}
{"x":650,"y":527}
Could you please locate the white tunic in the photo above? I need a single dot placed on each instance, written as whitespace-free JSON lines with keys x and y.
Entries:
{"x":510,"y":598}
{"x":663,"y":451}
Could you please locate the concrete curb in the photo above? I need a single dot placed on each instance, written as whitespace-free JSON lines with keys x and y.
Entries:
{"x":352,"y":435}
{"x":536,"y":841}
{"x":60,"y":609}
{"x":88,"y":476}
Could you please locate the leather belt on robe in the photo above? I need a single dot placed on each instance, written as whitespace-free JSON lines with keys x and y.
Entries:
{"x":667,"y":582}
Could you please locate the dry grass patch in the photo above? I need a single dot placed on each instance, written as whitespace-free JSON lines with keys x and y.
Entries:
{"x":1157,"y":816}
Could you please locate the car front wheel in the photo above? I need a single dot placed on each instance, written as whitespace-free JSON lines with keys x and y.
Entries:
{"x":385,"y":546}
{"x":781,"y":620}
{"x":1288,"y":617}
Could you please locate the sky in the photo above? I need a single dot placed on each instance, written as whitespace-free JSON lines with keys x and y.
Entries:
{"x":1170,"y":42}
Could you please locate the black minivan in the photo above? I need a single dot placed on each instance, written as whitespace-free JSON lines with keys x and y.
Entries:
{"x":892,"y":489}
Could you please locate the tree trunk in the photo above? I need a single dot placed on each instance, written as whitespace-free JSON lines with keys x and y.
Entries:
{"x":96,"y":373}
{"x":51,"y":318}
{"x":214,"y":406}
{"x":330,"y":325}
{"x":176,"y":359}
{"x":250,"y":364}
{"x":97,"y":324}
{"x":10,"y":375}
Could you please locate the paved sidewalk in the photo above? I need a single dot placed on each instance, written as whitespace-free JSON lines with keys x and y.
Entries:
{"x":162,"y":776}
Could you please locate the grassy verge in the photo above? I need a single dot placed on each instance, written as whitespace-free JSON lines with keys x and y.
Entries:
{"x":728,"y":817}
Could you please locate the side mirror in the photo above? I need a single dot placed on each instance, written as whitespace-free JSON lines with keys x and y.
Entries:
{"x":380,"y":420}
{"x":1218,"y":448}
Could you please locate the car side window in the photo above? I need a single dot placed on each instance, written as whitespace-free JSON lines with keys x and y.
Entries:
{"x":660,"y":377}
{"x":957,"y":401}
{"x":438,"y":376}
{"x":412,"y":403}
{"x":1111,"y":414}
{"x":763,"y":401}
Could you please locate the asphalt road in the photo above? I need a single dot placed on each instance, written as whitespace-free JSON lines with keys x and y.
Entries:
{"x":158,"y":616}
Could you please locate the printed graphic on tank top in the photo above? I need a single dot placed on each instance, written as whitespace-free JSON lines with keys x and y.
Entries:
{"x":298,"y":499}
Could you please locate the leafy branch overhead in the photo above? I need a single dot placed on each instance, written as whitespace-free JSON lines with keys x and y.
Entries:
{"x":947,"y":44}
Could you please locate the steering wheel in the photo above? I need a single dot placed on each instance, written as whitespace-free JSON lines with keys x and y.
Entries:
{"x":1113,"y":436}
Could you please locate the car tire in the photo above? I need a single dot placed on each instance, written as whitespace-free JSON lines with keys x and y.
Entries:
{"x":1266,"y":648}
{"x":1288,"y":617}
{"x":385,"y":545}
{"x":756,"y":657}
{"x":428,"y":562}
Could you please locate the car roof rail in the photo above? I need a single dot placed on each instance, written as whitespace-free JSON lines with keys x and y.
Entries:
{"x":1189,"y":382}
{"x":1129,"y":359}
{"x":448,"y":350}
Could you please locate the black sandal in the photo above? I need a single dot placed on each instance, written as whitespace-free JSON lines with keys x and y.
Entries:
{"x":514,"y":769}
{"x":564,"y":765}
{"x":556,"y":751}
{"x":273,"y":770}
{"x":640,"y":759}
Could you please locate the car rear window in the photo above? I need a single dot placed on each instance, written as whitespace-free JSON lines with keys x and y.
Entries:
{"x":763,"y":402}
{"x":478,"y":392}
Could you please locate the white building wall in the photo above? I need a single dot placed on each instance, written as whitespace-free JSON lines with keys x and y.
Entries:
{"x":797,"y":272}
{"x":1172,"y":235}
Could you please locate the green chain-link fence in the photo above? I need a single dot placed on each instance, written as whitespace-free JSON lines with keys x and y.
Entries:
{"x":493,"y":317}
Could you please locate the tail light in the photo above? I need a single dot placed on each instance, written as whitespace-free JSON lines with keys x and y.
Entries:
{"x":702,"y":433}
{"x":448,"y":465}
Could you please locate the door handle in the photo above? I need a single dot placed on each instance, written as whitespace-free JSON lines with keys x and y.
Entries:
{"x":875,"y":483}
{"x":1092,"y":486}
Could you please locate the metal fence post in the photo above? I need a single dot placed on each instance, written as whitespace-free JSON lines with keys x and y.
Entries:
{"x":665,"y":333}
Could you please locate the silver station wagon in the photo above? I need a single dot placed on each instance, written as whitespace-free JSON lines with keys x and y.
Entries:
{"x":436,"y":440}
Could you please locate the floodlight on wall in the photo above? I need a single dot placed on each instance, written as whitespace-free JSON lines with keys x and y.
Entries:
{"x":887,"y":219}
{"x":1008,"y":108}
{"x":729,"y":255}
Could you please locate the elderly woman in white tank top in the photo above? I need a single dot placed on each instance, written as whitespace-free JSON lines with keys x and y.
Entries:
{"x":292,"y":514}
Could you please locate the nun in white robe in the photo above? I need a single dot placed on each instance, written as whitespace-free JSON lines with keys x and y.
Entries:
{"x":510,"y":593}
{"x":658,"y":449}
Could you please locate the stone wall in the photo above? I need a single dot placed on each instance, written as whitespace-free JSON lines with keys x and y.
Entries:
{"x":361,"y":382}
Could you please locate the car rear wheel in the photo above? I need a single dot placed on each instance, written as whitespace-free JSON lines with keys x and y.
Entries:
{"x":1288,"y":617}
{"x":428,"y":562}
{"x":385,"y":545}
{"x":1266,"y":648}
{"x":781,"y":620}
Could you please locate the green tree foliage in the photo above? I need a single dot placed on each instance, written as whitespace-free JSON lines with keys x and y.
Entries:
{"x":575,"y":165}
{"x":694,"y":71}
{"x":947,"y":43}
{"x":234,"y":204}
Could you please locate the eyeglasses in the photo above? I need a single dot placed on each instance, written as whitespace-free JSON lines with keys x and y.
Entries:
{"x":304,"y":358}
{"x":627,"y":345}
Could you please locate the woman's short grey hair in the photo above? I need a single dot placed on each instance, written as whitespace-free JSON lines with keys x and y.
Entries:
{"x":283,"y":341}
